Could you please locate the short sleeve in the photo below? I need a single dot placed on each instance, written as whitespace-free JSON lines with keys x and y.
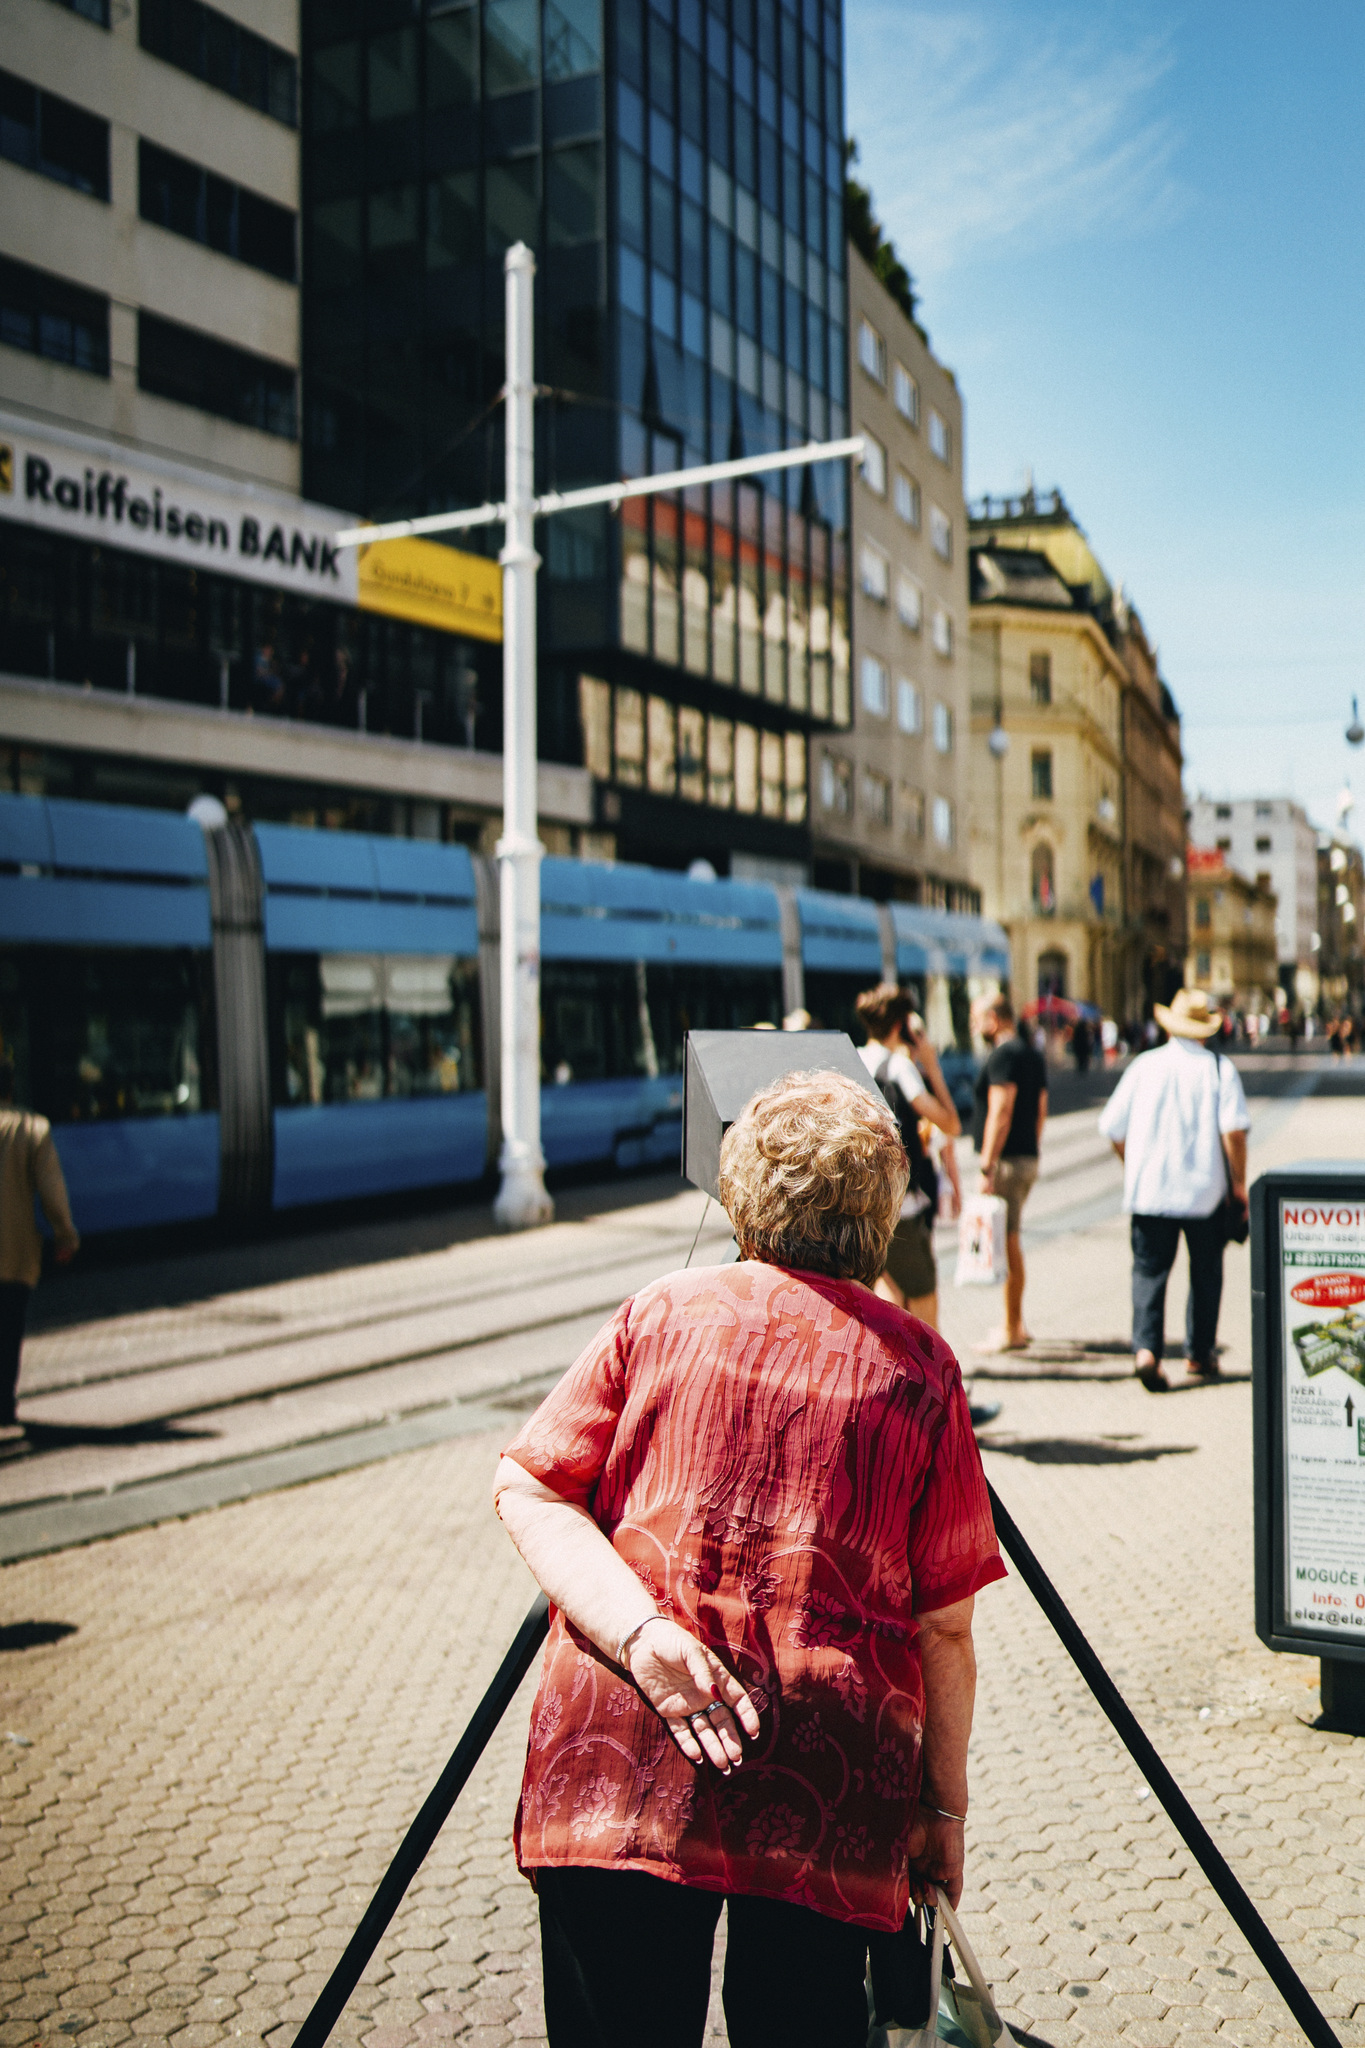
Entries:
{"x":1002,"y":1069}
{"x":910,"y":1080}
{"x":1117,"y":1110}
{"x":565,"y":1444}
{"x":953,"y":1547}
{"x":1233,"y":1114}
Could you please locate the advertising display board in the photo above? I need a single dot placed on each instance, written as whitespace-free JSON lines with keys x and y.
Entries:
{"x":1308,"y":1334}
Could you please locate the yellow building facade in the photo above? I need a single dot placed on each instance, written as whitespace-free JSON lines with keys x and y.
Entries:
{"x":1232,"y":935}
{"x":1046,"y":767}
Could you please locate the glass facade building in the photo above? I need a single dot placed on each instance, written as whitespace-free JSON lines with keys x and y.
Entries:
{"x":677,"y":166}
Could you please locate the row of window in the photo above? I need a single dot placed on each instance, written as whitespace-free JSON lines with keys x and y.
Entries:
{"x":50,"y":135}
{"x":457,"y":58}
{"x":188,"y":200}
{"x":875,"y":692}
{"x":875,"y":801}
{"x":872,"y":356}
{"x":61,"y":141}
{"x":758,"y":277}
{"x":46,"y":316}
{"x":642,"y":742}
{"x":905,"y":496}
{"x":214,"y":48}
{"x":874,"y":580}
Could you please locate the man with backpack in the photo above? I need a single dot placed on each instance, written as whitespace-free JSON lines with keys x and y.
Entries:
{"x":905,"y":1067}
{"x":1178,"y":1120}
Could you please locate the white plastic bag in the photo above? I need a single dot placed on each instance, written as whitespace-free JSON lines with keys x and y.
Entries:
{"x":981,"y":1242}
{"x":960,"y":2015}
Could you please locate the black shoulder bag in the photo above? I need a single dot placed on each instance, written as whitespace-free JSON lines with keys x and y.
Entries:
{"x":1234,"y":1215}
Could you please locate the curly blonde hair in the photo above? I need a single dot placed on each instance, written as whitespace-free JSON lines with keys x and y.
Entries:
{"x":812,"y":1175}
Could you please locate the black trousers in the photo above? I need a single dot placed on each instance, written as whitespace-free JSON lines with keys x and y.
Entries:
{"x":627,"y":1958}
{"x":1156,"y":1239}
{"x":13,"y":1309}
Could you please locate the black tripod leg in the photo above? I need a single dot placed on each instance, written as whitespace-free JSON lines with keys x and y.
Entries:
{"x":417,"y":1841}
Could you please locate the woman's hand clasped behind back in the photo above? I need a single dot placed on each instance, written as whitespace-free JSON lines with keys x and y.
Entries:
{"x":703,"y":1706}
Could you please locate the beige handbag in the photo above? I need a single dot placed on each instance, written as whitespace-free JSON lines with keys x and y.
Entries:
{"x":961,"y":2015}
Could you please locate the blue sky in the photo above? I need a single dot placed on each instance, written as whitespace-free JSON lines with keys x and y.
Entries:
{"x":1139,"y":237}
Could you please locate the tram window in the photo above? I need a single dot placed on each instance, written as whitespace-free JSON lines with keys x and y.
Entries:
{"x":104,"y":1032}
{"x":683,"y":999}
{"x":832,"y":1001}
{"x":359,"y":1027}
{"x":591,"y":1026}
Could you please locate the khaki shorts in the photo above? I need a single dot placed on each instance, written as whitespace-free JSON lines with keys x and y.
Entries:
{"x":910,"y":1260}
{"x":1014,"y":1180}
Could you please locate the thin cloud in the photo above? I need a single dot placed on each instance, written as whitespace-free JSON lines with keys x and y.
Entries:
{"x":989,"y":130}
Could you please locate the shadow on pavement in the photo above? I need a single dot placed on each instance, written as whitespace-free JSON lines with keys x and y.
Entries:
{"x":171,"y":1270}
{"x":62,"y":1436}
{"x":1068,"y":1450}
{"x":34,"y":1635}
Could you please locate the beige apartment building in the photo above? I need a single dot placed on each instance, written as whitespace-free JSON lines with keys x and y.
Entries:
{"x":1232,"y":935}
{"x":1078,"y":813}
{"x":889,"y":813}
{"x":1046,"y":761}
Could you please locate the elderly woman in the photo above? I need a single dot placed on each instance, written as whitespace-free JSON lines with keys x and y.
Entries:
{"x":758,"y":1508}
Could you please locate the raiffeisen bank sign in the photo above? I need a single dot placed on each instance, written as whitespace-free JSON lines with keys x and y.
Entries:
{"x":91,"y":491}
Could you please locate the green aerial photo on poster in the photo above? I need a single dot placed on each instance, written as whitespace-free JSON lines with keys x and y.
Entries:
{"x":1338,"y":1342}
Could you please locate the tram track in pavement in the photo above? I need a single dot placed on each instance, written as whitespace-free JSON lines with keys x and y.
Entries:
{"x":198,"y":1424}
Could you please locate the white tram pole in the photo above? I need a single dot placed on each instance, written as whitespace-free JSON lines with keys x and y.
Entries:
{"x":522,"y":1200}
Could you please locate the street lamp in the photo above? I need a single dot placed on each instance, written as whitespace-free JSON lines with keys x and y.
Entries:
{"x":522,"y":1200}
{"x":1355,"y":731}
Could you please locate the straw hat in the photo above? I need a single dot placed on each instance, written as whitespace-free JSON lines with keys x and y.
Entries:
{"x":1188,"y":1015}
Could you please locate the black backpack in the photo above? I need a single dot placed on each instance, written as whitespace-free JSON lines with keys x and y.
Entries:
{"x":923,"y":1172}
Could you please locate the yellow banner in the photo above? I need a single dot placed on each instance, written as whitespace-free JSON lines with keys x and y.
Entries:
{"x":432,"y":586}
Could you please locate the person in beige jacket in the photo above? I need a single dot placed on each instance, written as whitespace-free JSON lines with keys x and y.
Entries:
{"x":29,"y":1166}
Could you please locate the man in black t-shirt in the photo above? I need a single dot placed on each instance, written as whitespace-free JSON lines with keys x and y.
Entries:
{"x":1007,"y":1127}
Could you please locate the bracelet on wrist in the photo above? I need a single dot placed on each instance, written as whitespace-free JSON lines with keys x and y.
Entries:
{"x":623,"y":1647}
{"x":941,"y":1811}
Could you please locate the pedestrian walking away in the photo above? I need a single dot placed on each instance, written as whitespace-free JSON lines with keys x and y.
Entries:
{"x":1081,"y":1043}
{"x":1178,"y":1120}
{"x":29,"y":1170}
{"x":1007,"y":1130}
{"x":758,"y":1508}
{"x":905,"y":1067}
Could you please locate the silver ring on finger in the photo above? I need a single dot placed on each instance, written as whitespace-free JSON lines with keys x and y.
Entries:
{"x":716,"y":1707}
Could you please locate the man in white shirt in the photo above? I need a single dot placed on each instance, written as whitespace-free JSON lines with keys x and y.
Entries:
{"x":1178,"y":1120}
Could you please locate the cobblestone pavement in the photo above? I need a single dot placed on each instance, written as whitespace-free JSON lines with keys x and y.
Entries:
{"x":213,"y":1732}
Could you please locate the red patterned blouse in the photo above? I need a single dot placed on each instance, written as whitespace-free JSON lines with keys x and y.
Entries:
{"x":788,"y":1464}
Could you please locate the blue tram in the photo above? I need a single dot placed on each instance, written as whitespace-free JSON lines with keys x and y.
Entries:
{"x":228,"y":1021}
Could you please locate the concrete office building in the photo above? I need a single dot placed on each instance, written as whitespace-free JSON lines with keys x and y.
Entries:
{"x":160,"y":575}
{"x":889,"y":797}
{"x":678,"y":169}
{"x":1271,"y":838}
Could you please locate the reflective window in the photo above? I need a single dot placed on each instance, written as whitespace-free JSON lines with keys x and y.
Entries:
{"x":683,"y":999}
{"x":511,"y":45}
{"x":359,"y":1027}
{"x":104,"y":1032}
{"x":573,"y":37}
{"x":594,"y":1021}
{"x":453,"y":59}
